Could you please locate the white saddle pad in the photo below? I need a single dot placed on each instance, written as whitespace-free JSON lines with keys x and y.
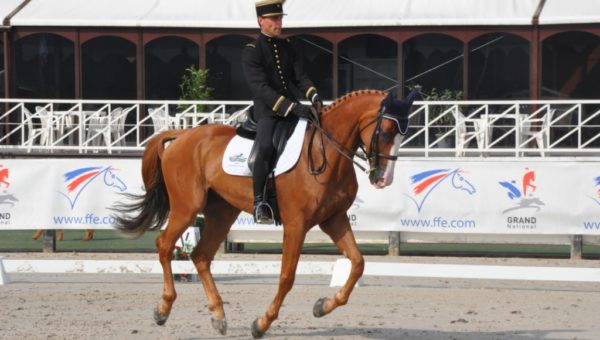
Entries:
{"x":235,"y":159}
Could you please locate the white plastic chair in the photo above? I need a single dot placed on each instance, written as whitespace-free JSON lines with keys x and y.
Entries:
{"x":469,"y":128}
{"x":49,"y":130}
{"x":98,"y":129}
{"x":33,"y":132}
{"x":160,"y":120}
{"x":117,"y":125}
{"x":537,"y":128}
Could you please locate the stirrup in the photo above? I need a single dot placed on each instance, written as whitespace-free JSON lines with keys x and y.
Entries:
{"x":264,"y":218}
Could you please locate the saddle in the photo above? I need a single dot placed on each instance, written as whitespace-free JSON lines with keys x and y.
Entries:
{"x":284,"y":127}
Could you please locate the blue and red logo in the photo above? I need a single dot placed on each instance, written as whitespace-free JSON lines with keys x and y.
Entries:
{"x":597,"y":187}
{"x":78,"y":180}
{"x":425,"y":183}
{"x":6,"y":198}
{"x":522,"y":193}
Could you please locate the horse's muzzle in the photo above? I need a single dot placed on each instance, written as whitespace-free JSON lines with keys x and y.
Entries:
{"x":381,"y":178}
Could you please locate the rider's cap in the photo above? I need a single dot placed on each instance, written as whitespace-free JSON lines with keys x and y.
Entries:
{"x":269,"y":8}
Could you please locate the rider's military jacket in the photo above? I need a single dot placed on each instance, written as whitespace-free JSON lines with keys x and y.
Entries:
{"x":271,"y":66}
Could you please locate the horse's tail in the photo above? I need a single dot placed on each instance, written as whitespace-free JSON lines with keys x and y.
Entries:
{"x":150,"y":210}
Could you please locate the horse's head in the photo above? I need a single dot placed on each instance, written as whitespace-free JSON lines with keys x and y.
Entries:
{"x":381,"y":134}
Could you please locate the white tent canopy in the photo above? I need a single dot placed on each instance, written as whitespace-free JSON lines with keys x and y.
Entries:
{"x":570,"y":12}
{"x":301,"y":13}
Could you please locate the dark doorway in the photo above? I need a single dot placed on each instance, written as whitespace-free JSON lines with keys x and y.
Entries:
{"x":367,"y":61}
{"x":166,"y":60}
{"x":224,"y":62}
{"x":44,"y":67}
{"x":108,"y":68}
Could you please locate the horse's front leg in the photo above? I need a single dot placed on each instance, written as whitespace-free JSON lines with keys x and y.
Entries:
{"x":339,"y":229}
{"x":293,"y":238}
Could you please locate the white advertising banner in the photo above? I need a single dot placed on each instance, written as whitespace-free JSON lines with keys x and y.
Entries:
{"x":528,"y":196}
{"x":64,"y":193}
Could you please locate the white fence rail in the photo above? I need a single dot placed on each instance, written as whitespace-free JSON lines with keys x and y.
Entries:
{"x":444,"y":128}
{"x":50,"y":126}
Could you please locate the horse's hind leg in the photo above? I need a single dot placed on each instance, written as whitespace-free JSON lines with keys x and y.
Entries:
{"x":218,"y":218}
{"x":180,"y":217}
{"x":338,"y":228}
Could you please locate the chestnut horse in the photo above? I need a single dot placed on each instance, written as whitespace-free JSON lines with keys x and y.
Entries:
{"x":183,"y":176}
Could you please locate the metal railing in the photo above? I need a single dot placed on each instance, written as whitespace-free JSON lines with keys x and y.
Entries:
{"x":33,"y":126}
{"x":442,"y":128}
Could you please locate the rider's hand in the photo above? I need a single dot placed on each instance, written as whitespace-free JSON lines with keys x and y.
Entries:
{"x":302,"y":111}
{"x":317,"y":103}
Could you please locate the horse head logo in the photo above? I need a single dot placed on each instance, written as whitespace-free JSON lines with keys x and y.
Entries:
{"x":79,"y":179}
{"x":426,"y":182}
{"x":461,"y":183}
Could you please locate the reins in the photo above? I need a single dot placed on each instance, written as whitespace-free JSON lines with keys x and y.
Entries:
{"x":343,"y":150}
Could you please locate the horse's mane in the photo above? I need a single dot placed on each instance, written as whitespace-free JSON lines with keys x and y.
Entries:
{"x":347,"y":96}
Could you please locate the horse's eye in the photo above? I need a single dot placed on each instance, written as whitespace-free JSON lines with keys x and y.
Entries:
{"x":386,"y":136}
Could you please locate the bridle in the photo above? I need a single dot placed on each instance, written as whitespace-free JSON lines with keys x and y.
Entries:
{"x":372,"y":157}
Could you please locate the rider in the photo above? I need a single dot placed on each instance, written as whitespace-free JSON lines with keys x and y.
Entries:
{"x":272,"y":69}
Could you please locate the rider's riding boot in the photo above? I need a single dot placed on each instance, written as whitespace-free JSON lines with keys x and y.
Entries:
{"x":263,"y":214}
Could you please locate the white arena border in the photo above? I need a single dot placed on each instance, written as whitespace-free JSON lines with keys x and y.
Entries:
{"x":338,"y":270}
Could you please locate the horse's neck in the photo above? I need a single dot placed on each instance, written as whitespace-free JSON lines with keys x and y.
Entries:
{"x":342,"y":122}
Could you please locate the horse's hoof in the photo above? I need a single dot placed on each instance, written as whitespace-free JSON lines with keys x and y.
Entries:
{"x":159,"y":318}
{"x":319,"y":308}
{"x":219,"y":325}
{"x":256,"y":333}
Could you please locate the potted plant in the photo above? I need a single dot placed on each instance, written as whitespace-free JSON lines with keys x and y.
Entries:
{"x":441,"y":120}
{"x":182,"y":252}
{"x":194,"y":86}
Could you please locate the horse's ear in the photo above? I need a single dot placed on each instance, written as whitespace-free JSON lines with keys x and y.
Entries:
{"x":400,"y":108}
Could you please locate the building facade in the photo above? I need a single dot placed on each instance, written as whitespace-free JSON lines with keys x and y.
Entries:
{"x":516,"y":53}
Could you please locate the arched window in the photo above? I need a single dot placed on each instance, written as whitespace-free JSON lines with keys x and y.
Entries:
{"x":317,"y":57}
{"x":166,"y":60}
{"x":571,"y":69}
{"x":571,"y":66}
{"x":367,"y":61}
{"x":499,"y":67}
{"x":224,"y":62}
{"x":425,"y":52}
{"x":108,"y":68}
{"x":44,"y":67}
